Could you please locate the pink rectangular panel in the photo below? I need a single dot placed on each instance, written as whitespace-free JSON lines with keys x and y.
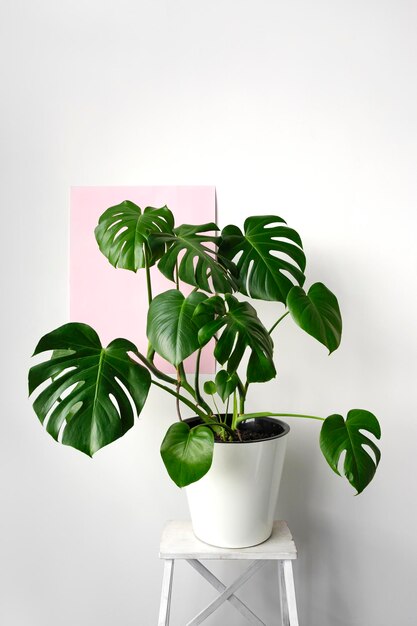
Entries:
{"x":114,"y":301}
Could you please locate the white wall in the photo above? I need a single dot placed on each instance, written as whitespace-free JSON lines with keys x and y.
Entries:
{"x":307,"y":109}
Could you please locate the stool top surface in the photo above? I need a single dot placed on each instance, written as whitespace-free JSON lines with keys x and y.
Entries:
{"x":179,"y":542}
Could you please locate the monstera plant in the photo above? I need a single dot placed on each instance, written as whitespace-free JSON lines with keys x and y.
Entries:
{"x":90,"y":394}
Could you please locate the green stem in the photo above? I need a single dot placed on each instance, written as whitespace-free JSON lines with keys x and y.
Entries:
{"x":184,"y":382}
{"x":242,"y":394}
{"x":177,"y":278}
{"x":177,"y":402}
{"x":216,"y":407}
{"x":148,"y":281}
{"x":197,"y":378}
{"x":227,"y":408}
{"x":151,"y":352}
{"x":220,"y":425}
{"x":235,"y":415}
{"x":277,"y":322}
{"x":185,"y":400}
{"x":194,"y":393}
{"x":248,"y":416}
{"x":152,"y":368}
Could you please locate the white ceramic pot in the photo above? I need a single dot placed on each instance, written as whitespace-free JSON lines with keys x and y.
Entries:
{"x":233,"y":505}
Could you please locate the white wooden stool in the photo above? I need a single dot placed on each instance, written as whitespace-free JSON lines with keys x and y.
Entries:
{"x":179,"y":542}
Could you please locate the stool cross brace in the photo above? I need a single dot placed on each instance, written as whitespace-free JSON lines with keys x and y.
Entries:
{"x":279,"y":548}
{"x":219,"y":586}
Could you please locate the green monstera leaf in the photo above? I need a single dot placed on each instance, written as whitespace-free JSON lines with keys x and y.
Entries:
{"x":318,"y":313}
{"x":241,"y":329}
{"x":88,"y":398}
{"x":187,"y":452}
{"x":171,"y":329}
{"x":225,"y":384}
{"x":338,"y":436}
{"x":123,"y":234}
{"x":269,"y":252}
{"x":192,"y":252}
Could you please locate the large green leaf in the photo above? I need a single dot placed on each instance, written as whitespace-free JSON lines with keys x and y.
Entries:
{"x":318,"y":313}
{"x":338,"y":436}
{"x":83,"y":381}
{"x":269,"y":251}
{"x":170,"y":328}
{"x":123,"y":234}
{"x":187,"y":453}
{"x":241,"y":329}
{"x":193,"y":253}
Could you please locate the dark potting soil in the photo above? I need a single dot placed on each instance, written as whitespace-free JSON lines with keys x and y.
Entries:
{"x":255,"y":432}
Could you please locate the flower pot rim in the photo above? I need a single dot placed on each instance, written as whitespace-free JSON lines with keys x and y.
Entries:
{"x":285,"y":430}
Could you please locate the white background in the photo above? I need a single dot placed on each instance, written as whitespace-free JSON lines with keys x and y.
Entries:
{"x":306,"y":109}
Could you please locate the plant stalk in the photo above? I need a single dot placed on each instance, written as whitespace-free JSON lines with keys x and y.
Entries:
{"x":206,"y":418}
{"x":195,"y":393}
{"x":151,"y":352}
{"x":277,"y":322}
{"x":197,"y":378}
{"x":152,"y":368}
{"x":242,"y":394}
{"x":220,"y":425}
{"x":177,"y":278}
{"x":235,"y":413}
{"x":247,"y":416}
{"x":177,"y":402}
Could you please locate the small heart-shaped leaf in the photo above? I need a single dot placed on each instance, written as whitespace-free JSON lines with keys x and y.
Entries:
{"x":210,"y":387}
{"x":225,"y":384}
{"x":187,"y":453}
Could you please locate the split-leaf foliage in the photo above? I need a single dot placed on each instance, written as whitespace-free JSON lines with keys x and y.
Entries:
{"x":88,"y":395}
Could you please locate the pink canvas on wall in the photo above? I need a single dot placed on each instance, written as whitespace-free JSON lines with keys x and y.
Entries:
{"x":114,"y":301}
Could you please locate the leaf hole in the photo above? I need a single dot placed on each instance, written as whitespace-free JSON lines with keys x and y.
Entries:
{"x":341,"y":462}
{"x":127,"y":394}
{"x":63,"y":372}
{"x":119,"y":233}
{"x":286,"y":239}
{"x":114,"y":402}
{"x":249,"y":275}
{"x":289,"y":275}
{"x":367,"y":448}
{"x":70,"y":389}
{"x":272,"y":223}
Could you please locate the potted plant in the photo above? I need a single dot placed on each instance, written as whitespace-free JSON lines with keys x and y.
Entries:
{"x":229,"y":460}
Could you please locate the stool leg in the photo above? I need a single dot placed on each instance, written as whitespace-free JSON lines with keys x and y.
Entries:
{"x":285,"y":620}
{"x":287,"y":589}
{"x":165,"y":606}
